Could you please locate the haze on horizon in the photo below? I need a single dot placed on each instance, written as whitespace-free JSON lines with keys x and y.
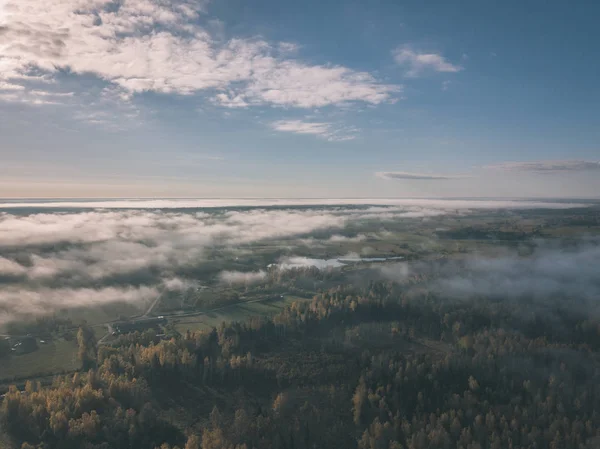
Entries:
{"x":194,"y":98}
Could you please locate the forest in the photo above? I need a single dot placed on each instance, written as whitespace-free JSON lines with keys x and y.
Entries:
{"x":379,"y":367}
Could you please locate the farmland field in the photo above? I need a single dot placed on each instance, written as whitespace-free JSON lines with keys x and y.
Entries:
{"x":237,"y":312}
{"x":52,"y":357}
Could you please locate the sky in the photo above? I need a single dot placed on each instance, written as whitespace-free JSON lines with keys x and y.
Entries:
{"x":286,"y":99}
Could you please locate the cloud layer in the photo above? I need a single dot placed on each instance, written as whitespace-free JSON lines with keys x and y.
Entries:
{"x":548,"y":166}
{"x":551,"y":271}
{"x":56,"y":259}
{"x":161,"y":46}
{"x":421,"y":176}
{"x":408,"y":203}
{"x":22,"y":303}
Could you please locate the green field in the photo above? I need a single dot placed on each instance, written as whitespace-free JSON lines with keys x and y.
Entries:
{"x":237,"y":312}
{"x":52,"y":357}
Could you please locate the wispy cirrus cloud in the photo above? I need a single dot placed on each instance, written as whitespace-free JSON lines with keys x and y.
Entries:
{"x":547,"y":166}
{"x":416,"y":62}
{"x":324,"y":130}
{"x":418,"y":176}
{"x":160,"y":46}
{"x":11,"y":92}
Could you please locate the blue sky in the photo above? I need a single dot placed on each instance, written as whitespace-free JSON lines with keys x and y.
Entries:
{"x":166,"y":98}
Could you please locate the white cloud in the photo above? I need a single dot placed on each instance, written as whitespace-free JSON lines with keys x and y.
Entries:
{"x":417,"y":176}
{"x":547,"y":166}
{"x":157,"y":45}
{"x":231,"y":100}
{"x":300,"y":127}
{"x":11,"y":268}
{"x":44,"y":93}
{"x":32,"y":98}
{"x":417,"y":63}
{"x":321,"y":129}
{"x":38,"y":97}
{"x":288,"y":47}
{"x":242,"y":277}
{"x":178,"y":284}
{"x":341,"y":238}
{"x":9,"y":86}
{"x":288,"y":263}
{"x":112,"y":109}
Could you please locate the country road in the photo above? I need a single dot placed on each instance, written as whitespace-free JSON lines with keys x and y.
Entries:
{"x":152,"y":306}
{"x":109,"y":331}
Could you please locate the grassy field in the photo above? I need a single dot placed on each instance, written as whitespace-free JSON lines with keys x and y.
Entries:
{"x":59,"y":355}
{"x":237,"y":312}
{"x":97,"y":315}
{"x":52,"y":357}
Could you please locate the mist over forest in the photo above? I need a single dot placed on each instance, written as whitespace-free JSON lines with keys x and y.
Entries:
{"x":185,"y":323}
{"x":53,"y":259}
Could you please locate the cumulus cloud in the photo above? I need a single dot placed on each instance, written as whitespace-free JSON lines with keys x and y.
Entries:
{"x":321,"y":129}
{"x":242,"y":277}
{"x":419,"y":176}
{"x":416,"y":63}
{"x":160,"y":46}
{"x":547,"y":166}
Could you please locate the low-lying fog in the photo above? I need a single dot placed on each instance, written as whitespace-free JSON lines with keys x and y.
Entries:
{"x":56,"y":255}
{"x":571,"y":272}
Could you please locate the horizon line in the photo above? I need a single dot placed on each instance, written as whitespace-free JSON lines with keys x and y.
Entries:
{"x":66,"y":198}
